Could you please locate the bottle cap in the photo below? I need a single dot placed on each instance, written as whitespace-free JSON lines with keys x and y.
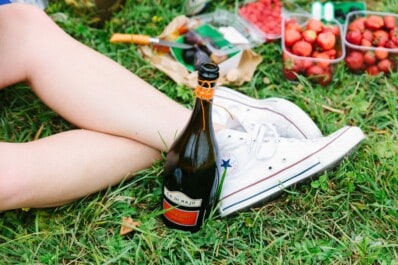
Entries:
{"x":208,"y":71}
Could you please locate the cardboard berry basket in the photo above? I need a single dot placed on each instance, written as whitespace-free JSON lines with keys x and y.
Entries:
{"x":311,"y":48}
{"x":371,"y":41}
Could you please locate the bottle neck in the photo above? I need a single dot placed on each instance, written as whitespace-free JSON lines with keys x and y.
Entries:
{"x":203,"y":105}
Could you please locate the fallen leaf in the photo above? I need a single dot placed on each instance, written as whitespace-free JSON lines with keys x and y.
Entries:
{"x":128,"y":225}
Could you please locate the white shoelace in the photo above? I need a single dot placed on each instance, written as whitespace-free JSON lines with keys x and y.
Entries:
{"x":261,"y":134}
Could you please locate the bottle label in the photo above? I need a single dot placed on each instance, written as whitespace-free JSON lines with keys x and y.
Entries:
{"x":181,"y":199}
{"x":180,"y":217}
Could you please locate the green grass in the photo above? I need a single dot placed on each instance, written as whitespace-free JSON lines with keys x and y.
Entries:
{"x":347,"y":216}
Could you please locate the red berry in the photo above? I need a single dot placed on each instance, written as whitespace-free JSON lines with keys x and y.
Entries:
{"x":354,"y":37}
{"x":326,"y":40}
{"x":381,"y":54}
{"x":324,"y":61}
{"x":292,"y":24}
{"x":332,"y":28}
{"x":367,"y":34}
{"x":354,"y":60}
{"x":380,"y":38}
{"x":290,"y":63}
{"x":290,"y":74}
{"x":366,"y":43}
{"x":372,"y":70}
{"x":291,"y":36}
{"x":314,"y":70}
{"x":393,"y":34}
{"x":391,"y":45}
{"x":374,"y":22}
{"x":389,"y":21}
{"x":315,"y":24}
{"x":319,"y":74}
{"x":309,"y":35}
{"x":369,"y":57}
{"x":302,"y":48}
{"x":357,"y":24}
{"x":385,"y":65}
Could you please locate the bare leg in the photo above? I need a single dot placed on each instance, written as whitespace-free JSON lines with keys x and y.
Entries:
{"x":83,"y":86}
{"x":89,"y":90}
{"x":66,"y":166}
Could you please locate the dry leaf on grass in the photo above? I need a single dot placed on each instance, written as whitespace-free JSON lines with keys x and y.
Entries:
{"x":128,"y":225}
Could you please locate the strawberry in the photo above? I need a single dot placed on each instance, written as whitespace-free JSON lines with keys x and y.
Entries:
{"x":326,"y":78}
{"x":369,"y":57}
{"x":332,"y":28}
{"x":314,"y":70}
{"x":391,"y":45}
{"x":367,"y":34}
{"x":319,"y":74}
{"x":354,"y":60}
{"x":381,"y":54}
{"x":389,"y":21}
{"x":290,"y":63}
{"x":357,"y":24}
{"x":374,"y":22}
{"x":309,"y":35}
{"x":385,"y":66}
{"x":326,"y":40}
{"x":291,"y":67}
{"x":290,"y":74}
{"x":366,"y":43}
{"x":331,"y":53}
{"x":354,"y":37}
{"x":372,"y":70}
{"x":306,"y":64}
{"x":315,"y":24}
{"x":292,"y":24}
{"x":324,"y":59}
{"x":393,"y":34}
{"x":302,"y":48}
{"x":291,"y":36}
{"x":380,"y":38}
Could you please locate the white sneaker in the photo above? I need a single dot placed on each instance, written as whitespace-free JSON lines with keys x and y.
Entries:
{"x":237,"y":111}
{"x":259,"y":165}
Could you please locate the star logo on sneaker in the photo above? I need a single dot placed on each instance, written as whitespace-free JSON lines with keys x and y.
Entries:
{"x":229,"y":162}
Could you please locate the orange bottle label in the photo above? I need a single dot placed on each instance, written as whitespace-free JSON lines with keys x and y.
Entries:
{"x":180,"y":217}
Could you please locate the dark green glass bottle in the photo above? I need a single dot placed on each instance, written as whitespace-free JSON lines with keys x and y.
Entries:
{"x":190,"y":178}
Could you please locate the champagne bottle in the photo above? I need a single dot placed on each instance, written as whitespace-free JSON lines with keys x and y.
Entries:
{"x":190,"y":178}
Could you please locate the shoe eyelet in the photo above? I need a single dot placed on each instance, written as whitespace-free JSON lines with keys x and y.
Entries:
{"x":284,"y":160}
{"x":270,"y":168}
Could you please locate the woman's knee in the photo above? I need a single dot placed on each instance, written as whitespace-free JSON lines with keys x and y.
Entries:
{"x":19,"y":13}
{"x":19,"y":17}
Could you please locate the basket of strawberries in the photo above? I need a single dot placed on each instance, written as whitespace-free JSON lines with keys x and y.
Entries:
{"x":371,"y":40}
{"x":311,"y":48}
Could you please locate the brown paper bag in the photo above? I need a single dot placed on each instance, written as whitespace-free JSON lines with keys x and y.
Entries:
{"x":242,"y":71}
